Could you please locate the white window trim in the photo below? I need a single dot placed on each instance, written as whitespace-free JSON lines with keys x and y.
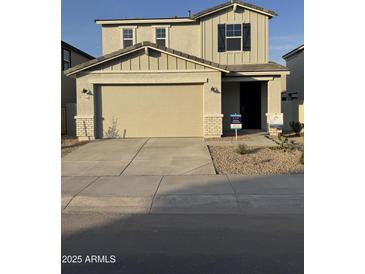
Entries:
{"x":133,"y":28}
{"x":233,"y":37}
{"x":166,"y":27}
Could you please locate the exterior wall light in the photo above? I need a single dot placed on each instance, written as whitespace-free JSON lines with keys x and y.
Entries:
{"x":214,"y":89}
{"x":87,"y":92}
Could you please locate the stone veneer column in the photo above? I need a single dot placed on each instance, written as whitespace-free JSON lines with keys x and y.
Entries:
{"x":85,"y":128}
{"x":213,"y":126}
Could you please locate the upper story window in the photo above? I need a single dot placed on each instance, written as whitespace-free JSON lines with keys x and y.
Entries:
{"x":233,"y":37}
{"x":161,"y":36}
{"x":66,"y":59}
{"x":127,"y":37}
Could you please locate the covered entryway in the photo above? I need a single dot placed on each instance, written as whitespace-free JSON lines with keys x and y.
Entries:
{"x":149,"y":110}
{"x":250,"y":105}
{"x":248,"y":98}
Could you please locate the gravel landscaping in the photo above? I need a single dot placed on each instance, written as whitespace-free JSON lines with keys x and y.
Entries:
{"x":258,"y":160}
{"x":69,"y":144}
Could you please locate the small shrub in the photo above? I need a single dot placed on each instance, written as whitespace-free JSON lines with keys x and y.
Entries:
{"x":301,"y":160}
{"x":297,"y":127}
{"x":112,"y":131}
{"x":242,"y":149}
{"x":284,"y":144}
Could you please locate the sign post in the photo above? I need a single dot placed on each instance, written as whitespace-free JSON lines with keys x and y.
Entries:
{"x":236,"y":122}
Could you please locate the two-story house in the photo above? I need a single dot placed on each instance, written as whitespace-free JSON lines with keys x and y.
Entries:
{"x":180,"y":76}
{"x":71,"y":56}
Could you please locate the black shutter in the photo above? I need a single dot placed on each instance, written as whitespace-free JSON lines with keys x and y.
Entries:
{"x":221,"y":37}
{"x":246,"y":37}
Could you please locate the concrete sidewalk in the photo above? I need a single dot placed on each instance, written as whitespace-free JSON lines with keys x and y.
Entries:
{"x":190,"y":194}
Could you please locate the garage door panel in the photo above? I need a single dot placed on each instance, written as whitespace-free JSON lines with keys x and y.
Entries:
{"x":151,"y":110}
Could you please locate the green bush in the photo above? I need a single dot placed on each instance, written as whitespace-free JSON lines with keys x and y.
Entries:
{"x":297,"y":127}
{"x":242,"y":149}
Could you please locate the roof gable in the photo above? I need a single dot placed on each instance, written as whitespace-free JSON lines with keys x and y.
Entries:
{"x":234,"y":4}
{"x":145,"y":56}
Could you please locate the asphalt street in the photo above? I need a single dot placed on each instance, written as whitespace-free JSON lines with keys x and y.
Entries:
{"x":184,"y":243}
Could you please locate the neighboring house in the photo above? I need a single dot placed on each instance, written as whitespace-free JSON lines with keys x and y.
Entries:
{"x":293,"y":98}
{"x":180,"y":76}
{"x":71,"y":56}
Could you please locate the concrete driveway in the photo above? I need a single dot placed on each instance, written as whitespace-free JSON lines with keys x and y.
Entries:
{"x":142,"y":156}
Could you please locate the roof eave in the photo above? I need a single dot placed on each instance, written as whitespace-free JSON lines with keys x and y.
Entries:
{"x":143,"y":21}
{"x":293,"y":52}
{"x":258,"y":73}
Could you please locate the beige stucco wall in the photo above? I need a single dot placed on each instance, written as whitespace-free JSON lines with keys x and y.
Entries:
{"x":191,"y":74}
{"x":183,"y":37}
{"x":295,"y":81}
{"x":200,"y":38}
{"x":111,"y":37}
{"x":274,"y":90}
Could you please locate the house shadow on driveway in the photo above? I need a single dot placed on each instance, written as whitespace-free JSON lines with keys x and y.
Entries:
{"x":226,"y":224}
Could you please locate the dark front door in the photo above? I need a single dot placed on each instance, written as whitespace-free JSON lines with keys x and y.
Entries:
{"x":251,"y":105}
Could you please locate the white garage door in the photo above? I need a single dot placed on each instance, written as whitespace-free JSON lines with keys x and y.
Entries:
{"x":150,"y":110}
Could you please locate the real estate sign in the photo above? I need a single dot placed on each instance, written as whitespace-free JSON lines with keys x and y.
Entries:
{"x":275,"y":122}
{"x":236,"y":121}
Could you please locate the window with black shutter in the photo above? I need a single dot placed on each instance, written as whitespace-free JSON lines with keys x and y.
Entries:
{"x":246,"y":42}
{"x":234,"y":37}
{"x":221,"y":37}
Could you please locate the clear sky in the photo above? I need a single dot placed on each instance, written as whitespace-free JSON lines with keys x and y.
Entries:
{"x":78,"y":28}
